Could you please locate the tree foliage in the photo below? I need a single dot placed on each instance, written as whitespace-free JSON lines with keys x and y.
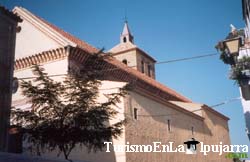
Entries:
{"x":238,"y":72}
{"x":66,"y":114}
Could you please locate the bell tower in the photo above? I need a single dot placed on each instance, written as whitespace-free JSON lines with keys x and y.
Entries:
{"x":126,"y":34}
{"x":128,"y":53}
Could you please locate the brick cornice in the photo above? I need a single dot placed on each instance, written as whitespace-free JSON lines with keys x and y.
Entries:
{"x":134,"y":49}
{"x":43,"y":57}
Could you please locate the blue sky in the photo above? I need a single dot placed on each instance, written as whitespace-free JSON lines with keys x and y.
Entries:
{"x":166,"y":29}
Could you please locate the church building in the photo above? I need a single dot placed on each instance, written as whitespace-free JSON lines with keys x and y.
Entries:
{"x":155,"y":112}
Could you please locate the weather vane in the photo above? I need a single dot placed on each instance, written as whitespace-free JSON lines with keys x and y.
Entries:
{"x":125,"y":16}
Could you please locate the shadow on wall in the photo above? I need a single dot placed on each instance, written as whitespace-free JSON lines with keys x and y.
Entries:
{"x":79,"y":154}
{"x":159,"y":114}
{"x":247,"y":120}
{"x":211,"y":122}
{"x":9,"y":157}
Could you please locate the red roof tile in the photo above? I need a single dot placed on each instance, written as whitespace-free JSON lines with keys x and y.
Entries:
{"x":82,"y":44}
{"x":122,"y":68}
{"x":117,"y":71}
{"x":148,"y":80}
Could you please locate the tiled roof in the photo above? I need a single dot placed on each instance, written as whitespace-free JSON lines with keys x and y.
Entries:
{"x":124,"y":73}
{"x":5,"y":11}
{"x":112,"y":68}
{"x":117,"y":71}
{"x":82,"y":44}
{"x":148,"y":80}
{"x":122,"y":47}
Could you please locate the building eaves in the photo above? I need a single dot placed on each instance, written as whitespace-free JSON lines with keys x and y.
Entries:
{"x":197,"y":108}
{"x":40,"y":58}
{"x":135,"y":48}
{"x":112,"y":68}
{"x":81,"y":44}
{"x":121,"y":72}
{"x":65,"y":35}
{"x":215,"y":112}
{"x":117,"y":71}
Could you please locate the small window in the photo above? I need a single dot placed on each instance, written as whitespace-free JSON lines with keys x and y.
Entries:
{"x":124,"y":39}
{"x":149,"y":70}
{"x":135,"y":113}
{"x":169,"y":125}
{"x":192,"y":130}
{"x":125,"y":62}
{"x":142,"y":66}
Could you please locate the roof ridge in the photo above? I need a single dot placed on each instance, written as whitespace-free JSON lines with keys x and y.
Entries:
{"x":80,"y":43}
{"x":90,"y":49}
{"x":59,"y":53}
{"x":150,"y":80}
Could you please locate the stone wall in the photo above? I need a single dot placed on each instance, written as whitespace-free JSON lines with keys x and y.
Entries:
{"x":152,"y":126}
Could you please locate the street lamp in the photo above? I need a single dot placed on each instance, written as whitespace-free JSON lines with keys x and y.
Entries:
{"x":233,"y":45}
{"x":191,"y":146}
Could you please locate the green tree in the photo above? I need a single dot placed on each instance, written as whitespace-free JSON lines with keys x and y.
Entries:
{"x":66,"y":114}
{"x":236,"y":160}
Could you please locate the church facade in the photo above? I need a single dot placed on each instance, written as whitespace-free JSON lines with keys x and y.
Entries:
{"x":155,"y":113}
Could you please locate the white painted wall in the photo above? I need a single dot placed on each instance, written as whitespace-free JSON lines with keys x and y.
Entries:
{"x":247,"y":28}
{"x":52,"y":68}
{"x":245,"y":103}
{"x":30,"y":41}
{"x":107,"y":87}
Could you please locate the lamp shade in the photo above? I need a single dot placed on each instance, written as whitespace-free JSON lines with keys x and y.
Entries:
{"x":233,"y":45}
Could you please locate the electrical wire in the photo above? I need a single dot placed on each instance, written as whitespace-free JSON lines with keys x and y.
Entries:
{"x":225,"y":102}
{"x":187,"y":58}
{"x":54,"y":75}
{"x":161,"y":115}
{"x":173,"y":114}
{"x":161,"y":62}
